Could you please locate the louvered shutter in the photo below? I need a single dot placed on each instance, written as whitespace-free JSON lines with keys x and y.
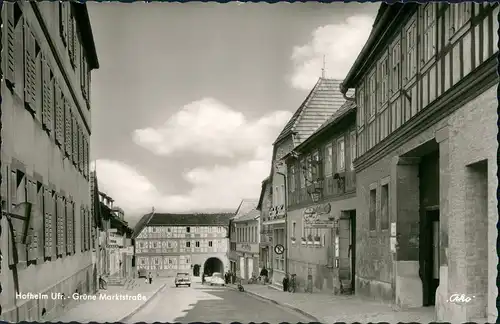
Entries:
{"x":75,"y":142}
{"x":19,"y":58}
{"x":68,"y":226}
{"x":80,"y":150}
{"x":4,"y":187}
{"x":47,"y":225}
{"x":73,"y":243}
{"x":47,"y":96}
{"x":30,"y":70}
{"x":63,"y":21}
{"x":59,"y":115}
{"x":68,"y":128}
{"x":86,"y":153}
{"x":71,"y":38}
{"x":82,"y":229}
{"x":55,"y":228}
{"x":13,"y":188}
{"x":9,"y":66}
{"x":60,"y":225}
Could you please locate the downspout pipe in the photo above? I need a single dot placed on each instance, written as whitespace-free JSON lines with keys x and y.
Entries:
{"x":286,"y":219}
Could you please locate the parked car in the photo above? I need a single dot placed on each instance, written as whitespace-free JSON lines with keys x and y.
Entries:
{"x":216,"y":279}
{"x":182,"y":279}
{"x":142,"y":273}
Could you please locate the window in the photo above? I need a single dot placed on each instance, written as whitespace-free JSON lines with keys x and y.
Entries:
{"x":315,"y":172}
{"x":155,"y":244}
{"x":429,"y":32}
{"x":396,"y":63}
{"x":31,"y":72}
{"x":411,"y":54}
{"x":291,"y":179}
{"x":154,"y":229}
{"x":383,"y":77}
{"x":188,"y":229}
{"x":210,"y":243}
{"x":340,"y":155}
{"x":460,"y":14}
{"x":328,"y":160}
{"x":197,"y":244}
{"x":360,"y":101}
{"x":294,"y":225}
{"x":352,"y":142}
{"x":373,"y":210}
{"x":169,"y":229}
{"x":282,"y":195}
{"x":309,"y":168}
{"x":384,"y":206}
{"x":188,"y":244}
{"x":372,"y":95}
{"x":302,"y":173}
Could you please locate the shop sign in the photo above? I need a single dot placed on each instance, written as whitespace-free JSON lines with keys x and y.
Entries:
{"x":313,"y":215}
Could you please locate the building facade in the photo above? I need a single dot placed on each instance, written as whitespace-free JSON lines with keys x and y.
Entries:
{"x":322,"y":206}
{"x":166,"y":244}
{"x":323,"y":100}
{"x":246,"y":230}
{"x":266,"y":238}
{"x":426,"y":91}
{"x":47,"y":58}
{"x":246,"y":205}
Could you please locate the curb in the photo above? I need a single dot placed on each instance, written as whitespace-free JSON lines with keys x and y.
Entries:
{"x":138,"y":308}
{"x":285,"y":305}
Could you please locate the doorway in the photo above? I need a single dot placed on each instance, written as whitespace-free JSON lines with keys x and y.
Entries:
{"x":430,"y":266}
{"x":196,"y":270}
{"x":347,"y":253}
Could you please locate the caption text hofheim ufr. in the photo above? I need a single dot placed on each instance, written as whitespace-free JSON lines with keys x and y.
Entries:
{"x":77,"y":296}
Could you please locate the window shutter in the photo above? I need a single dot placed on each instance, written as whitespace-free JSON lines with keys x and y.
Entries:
{"x":59,"y":118}
{"x":63,"y":21}
{"x":71,"y":37}
{"x":30,"y":70}
{"x":47,"y":96}
{"x":48,"y":212}
{"x":67,"y":128}
{"x":13,"y":187}
{"x":19,"y":58}
{"x":76,"y":128}
{"x":60,"y":224}
{"x":69,"y":226}
{"x":80,"y":150}
{"x":10,"y":42}
{"x":73,"y":243}
{"x":82,"y":229}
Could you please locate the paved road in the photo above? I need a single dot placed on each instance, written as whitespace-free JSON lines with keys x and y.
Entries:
{"x":211,"y":304}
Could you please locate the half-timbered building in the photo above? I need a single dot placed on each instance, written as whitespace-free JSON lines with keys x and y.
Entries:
{"x":166,"y":244}
{"x":48,"y":53}
{"x":426,"y":90}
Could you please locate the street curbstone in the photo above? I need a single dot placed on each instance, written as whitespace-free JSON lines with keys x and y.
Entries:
{"x":141,"y":306}
{"x":285,"y":305}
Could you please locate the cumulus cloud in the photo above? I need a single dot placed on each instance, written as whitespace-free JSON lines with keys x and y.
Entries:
{"x":339,"y":44}
{"x":206,"y":127}
{"x":209,"y":127}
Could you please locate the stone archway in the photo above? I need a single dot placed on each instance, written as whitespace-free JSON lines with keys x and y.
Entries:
{"x":212,"y":265}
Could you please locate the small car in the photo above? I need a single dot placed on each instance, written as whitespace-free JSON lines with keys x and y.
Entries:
{"x":217,"y":279}
{"x":182,"y":279}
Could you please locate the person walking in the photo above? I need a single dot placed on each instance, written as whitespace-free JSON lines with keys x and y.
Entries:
{"x":203,"y":278}
{"x":150,"y":277}
{"x":285,"y":283}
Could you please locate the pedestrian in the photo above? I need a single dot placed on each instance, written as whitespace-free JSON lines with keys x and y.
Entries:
{"x":233,"y":277}
{"x":226,"y":278}
{"x":264,"y":274}
{"x":203,"y":278}
{"x":285,"y":283}
{"x":150,"y":278}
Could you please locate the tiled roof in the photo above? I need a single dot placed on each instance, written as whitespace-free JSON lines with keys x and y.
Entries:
{"x":141,"y":223}
{"x":159,"y":219}
{"x":245,"y":206}
{"x":323,"y":100}
{"x":251,"y":215}
{"x":346,"y":108}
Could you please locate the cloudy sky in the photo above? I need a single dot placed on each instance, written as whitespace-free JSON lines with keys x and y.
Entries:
{"x":189,"y":97}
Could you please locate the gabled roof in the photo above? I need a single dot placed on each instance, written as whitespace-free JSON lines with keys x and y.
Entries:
{"x":262,"y":192}
{"x":347,"y":108}
{"x":250,"y":216}
{"x":163,"y":219}
{"x":245,"y":206}
{"x":324,"y":99}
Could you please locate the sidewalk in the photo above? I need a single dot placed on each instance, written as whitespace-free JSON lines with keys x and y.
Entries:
{"x":328,"y":308}
{"x":109,"y":310}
